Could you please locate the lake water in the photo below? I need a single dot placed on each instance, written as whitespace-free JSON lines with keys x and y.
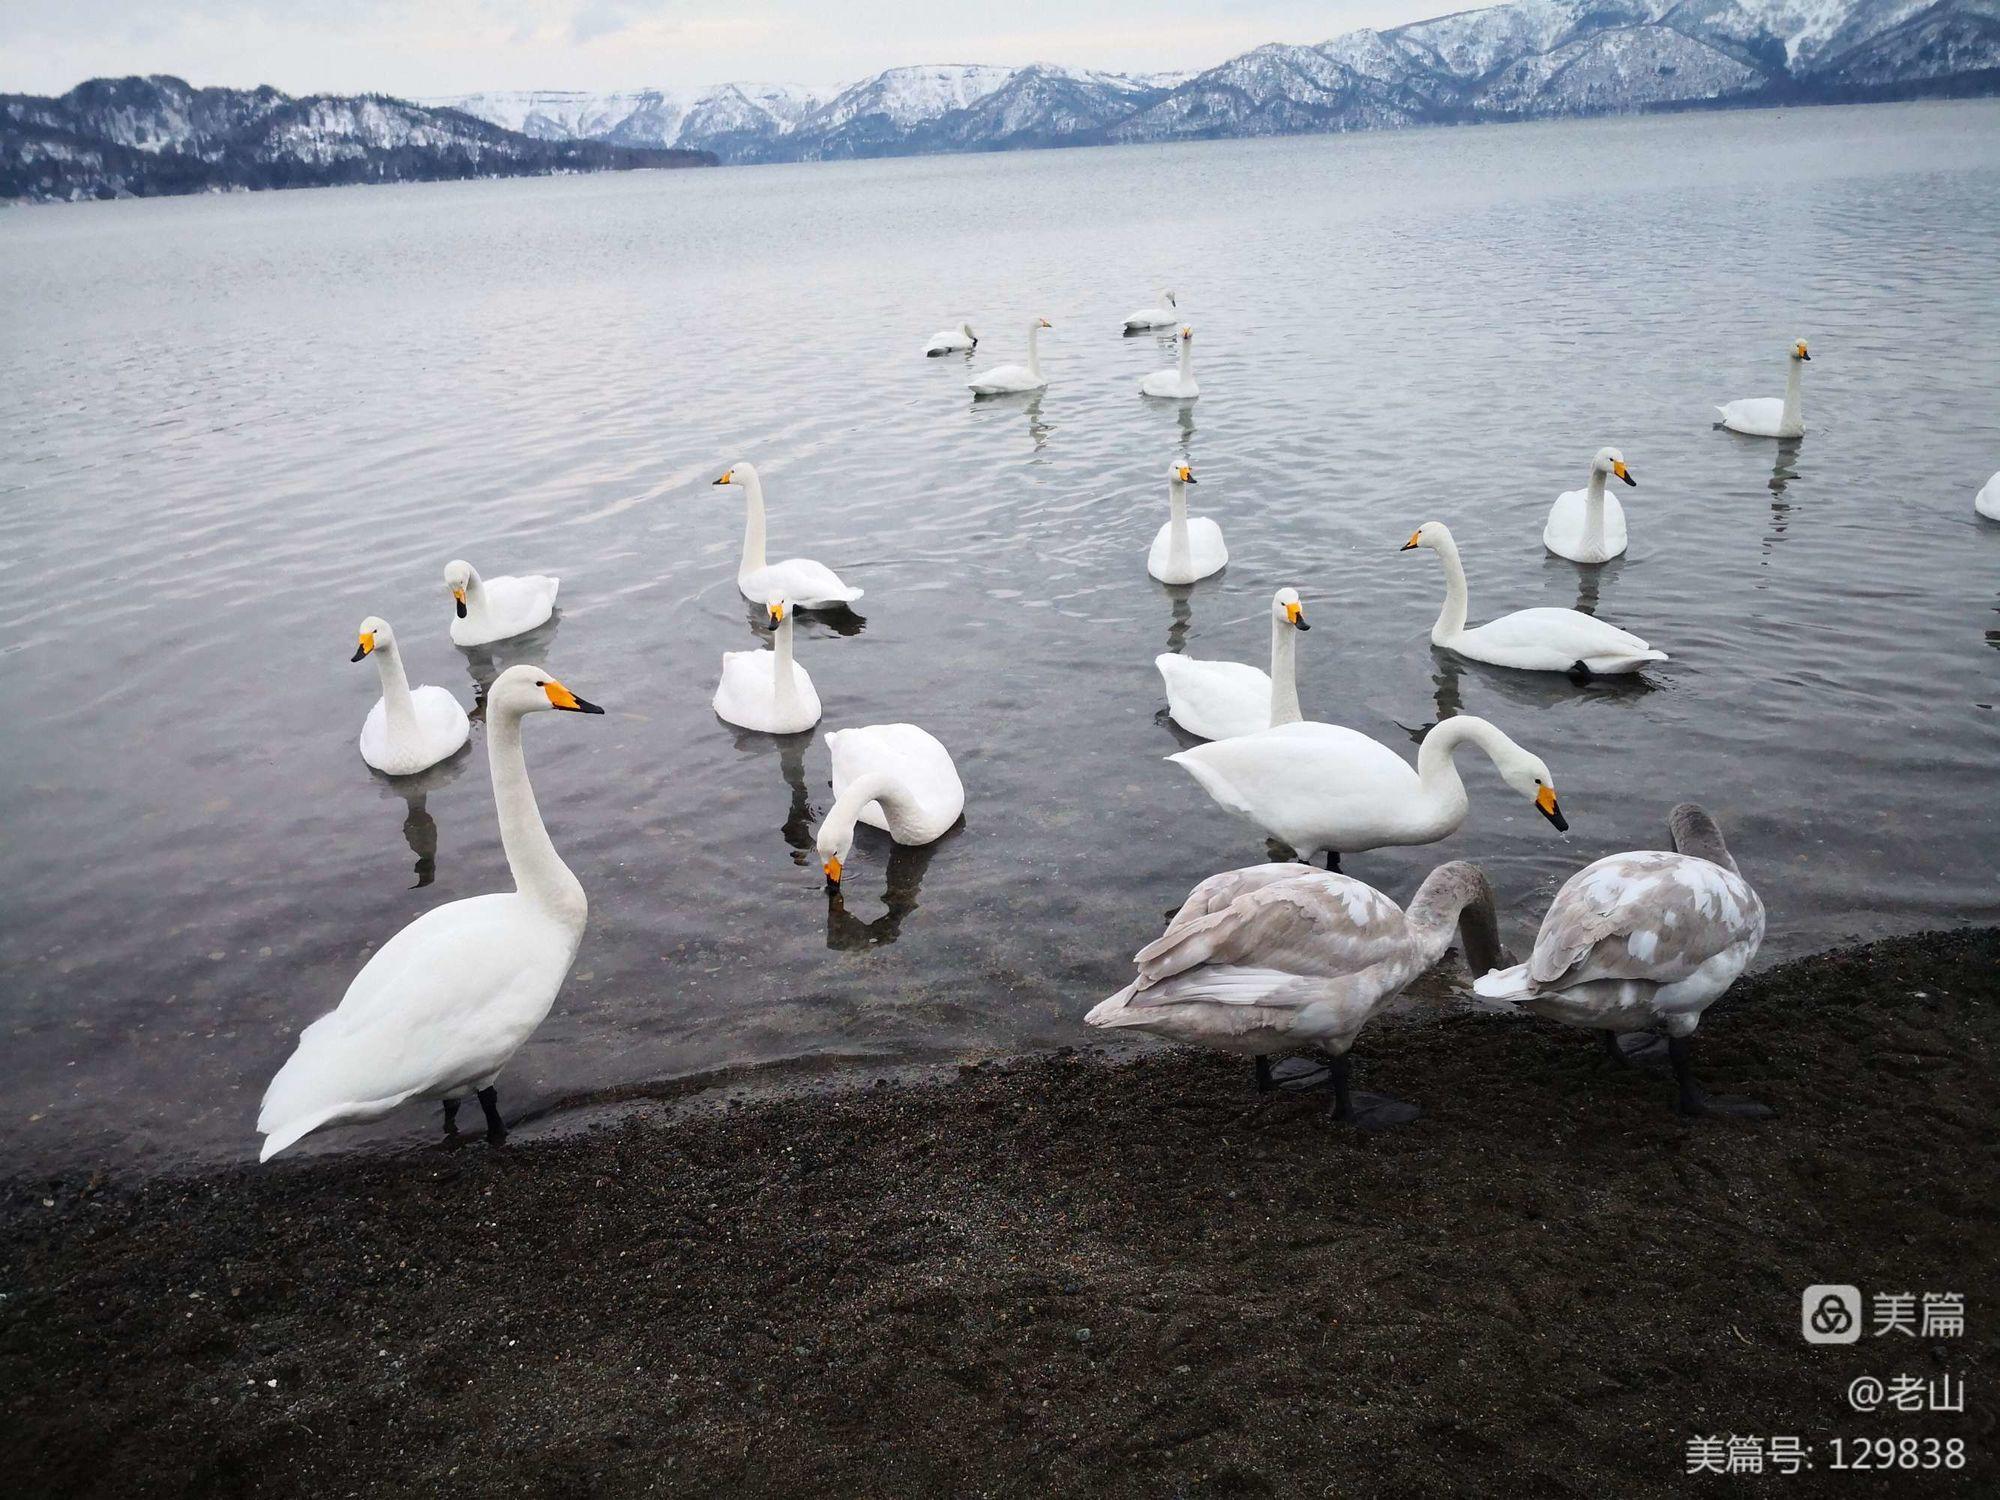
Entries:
{"x":234,"y":426}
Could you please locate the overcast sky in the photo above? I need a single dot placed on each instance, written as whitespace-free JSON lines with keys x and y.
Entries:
{"x":417,"y":47}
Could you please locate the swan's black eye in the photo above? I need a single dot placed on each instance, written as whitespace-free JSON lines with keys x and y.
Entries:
{"x":544,"y":684}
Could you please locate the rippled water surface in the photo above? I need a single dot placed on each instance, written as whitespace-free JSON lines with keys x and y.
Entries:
{"x":231,"y":427}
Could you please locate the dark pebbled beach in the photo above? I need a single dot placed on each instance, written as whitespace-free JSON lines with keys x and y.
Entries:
{"x":1084,"y":1273}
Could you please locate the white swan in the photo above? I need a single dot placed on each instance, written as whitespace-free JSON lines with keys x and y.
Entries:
{"x":1185,"y":551}
{"x":1587,"y":525}
{"x":1164,"y":316}
{"x":446,"y":1002}
{"x":1643,"y":940}
{"x":1766,"y":416}
{"x":895,"y":777}
{"x":1267,"y":958}
{"x":1533,"y":640}
{"x":492,"y":609}
{"x":406,"y":730}
{"x":1987,"y":501}
{"x":1325,"y":788}
{"x":767,"y":690}
{"x":805,"y":583}
{"x":1219,"y":700}
{"x":959,"y":340}
{"x":1177,"y":384}
{"x":1004,"y":380}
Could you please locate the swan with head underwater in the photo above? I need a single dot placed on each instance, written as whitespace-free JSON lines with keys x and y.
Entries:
{"x":1146,"y":318}
{"x":895,"y":777}
{"x":442,"y":1007}
{"x":1268,"y":958}
{"x":1324,"y":788}
{"x":493,"y":609}
{"x":1642,"y":941}
{"x":1219,"y":700}
{"x":1006,"y":380}
{"x":959,"y":340}
{"x":1530,"y":640}
{"x":1587,"y":525}
{"x":1767,"y":416}
{"x":408,"y":730}
{"x":766,"y":690}
{"x":1183,"y":550}
{"x":1177,"y":384}
{"x":805,"y":584}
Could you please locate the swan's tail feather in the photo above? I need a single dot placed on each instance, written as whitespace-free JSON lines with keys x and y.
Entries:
{"x":1181,"y":947}
{"x":1109,"y":1012}
{"x":1631,"y":661}
{"x":289,"y":1134}
{"x":1503,"y":989}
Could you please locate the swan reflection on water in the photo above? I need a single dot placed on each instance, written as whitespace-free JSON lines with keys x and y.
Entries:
{"x":800,"y":818}
{"x":486,"y":663}
{"x":832,"y":619}
{"x":1182,"y":597}
{"x":1783,"y":472}
{"x":847,"y":933}
{"x":420,"y":830}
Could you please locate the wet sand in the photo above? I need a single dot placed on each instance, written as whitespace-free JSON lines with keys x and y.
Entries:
{"x":1086,"y":1273}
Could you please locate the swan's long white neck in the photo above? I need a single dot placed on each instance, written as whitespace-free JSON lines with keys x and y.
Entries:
{"x":753,"y":521}
{"x":877,"y":786}
{"x":1794,"y":415}
{"x":1451,"y":619}
{"x":1180,"y":554}
{"x":784,"y":682}
{"x":1035,"y":350}
{"x":1593,"y":512}
{"x":475,"y":595}
{"x":539,"y":873}
{"x":1284,"y":673}
{"x":1187,"y":360}
{"x":1437,"y":772}
{"x":399,"y":709}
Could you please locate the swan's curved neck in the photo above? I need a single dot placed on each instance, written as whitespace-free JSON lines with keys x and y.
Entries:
{"x":1180,"y":553}
{"x":539,"y":873}
{"x":397,"y":706}
{"x":1451,"y":619}
{"x":876,"y":786}
{"x":1437,"y":771}
{"x":1456,"y":896}
{"x":1593,"y":510}
{"x":1187,"y":360}
{"x":1284,"y":674}
{"x":784,"y":682}
{"x":1035,"y":350}
{"x":475,"y":595}
{"x":753,"y":525}
{"x":1794,"y":416}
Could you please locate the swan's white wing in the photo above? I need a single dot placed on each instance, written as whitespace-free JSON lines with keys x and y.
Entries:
{"x":521,"y":603}
{"x":1308,"y":780}
{"x":1760,"y":416}
{"x":1565,"y":630}
{"x":1006,"y":378}
{"x":1987,"y":501}
{"x":1320,"y":925}
{"x":914,"y":756}
{"x":1648,"y":914}
{"x":1206,"y":545}
{"x":1219,"y":891}
{"x":800,"y":579}
{"x":444,"y":723}
{"x":1217,"y":700}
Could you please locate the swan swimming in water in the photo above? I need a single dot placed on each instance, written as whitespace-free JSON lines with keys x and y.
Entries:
{"x":1267,"y":958}
{"x":1219,"y":700}
{"x":1644,"y":940}
{"x":1164,"y":316}
{"x":804,"y":583}
{"x":1587,"y":525}
{"x":493,"y":609}
{"x":407,"y":730}
{"x":1987,"y":501}
{"x":1530,"y":640}
{"x":1185,"y":551}
{"x":959,"y":340}
{"x":1003,"y":380}
{"x":767,"y":690}
{"x":1767,"y":416}
{"x":1322,"y":788}
{"x":1177,"y":384}
{"x":444,"y":1004}
{"x":895,"y":777}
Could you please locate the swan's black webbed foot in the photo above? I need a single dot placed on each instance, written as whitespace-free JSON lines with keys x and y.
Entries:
{"x":1632,"y":1049}
{"x":1693,"y":1103}
{"x":1365,"y":1111}
{"x":1579,"y":672}
{"x":1298,"y":1075}
{"x":1333,"y":860}
{"x":496,"y":1129}
{"x":450,"y":1118}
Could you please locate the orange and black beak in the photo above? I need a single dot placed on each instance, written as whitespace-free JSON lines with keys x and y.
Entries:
{"x":1295,"y":614}
{"x":367,"y":645}
{"x":458,"y":601}
{"x":1548,"y":807}
{"x":731,"y":474}
{"x":561,"y":697}
{"x":1624,"y":473}
{"x":832,"y":868}
{"x":1414,"y":536}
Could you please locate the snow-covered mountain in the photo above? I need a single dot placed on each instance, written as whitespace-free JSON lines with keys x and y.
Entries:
{"x":1529,"y":59}
{"x":116,"y":136}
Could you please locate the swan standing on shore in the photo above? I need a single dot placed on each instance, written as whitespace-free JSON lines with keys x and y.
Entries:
{"x":1267,"y":958}
{"x":446,"y":1002}
{"x":1164,"y":316}
{"x":1987,"y":501}
{"x":1220,"y":700}
{"x":1003,"y":380}
{"x":895,"y":777}
{"x":1322,"y":788}
{"x":800,"y":580}
{"x":1185,"y":551}
{"x":406,"y":731}
{"x":767,"y":690}
{"x":959,"y":340}
{"x":493,"y":609}
{"x":1766,"y":416}
{"x":1531,"y":640}
{"x":1177,"y":384}
{"x":1640,"y":941}
{"x":1587,"y":525}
